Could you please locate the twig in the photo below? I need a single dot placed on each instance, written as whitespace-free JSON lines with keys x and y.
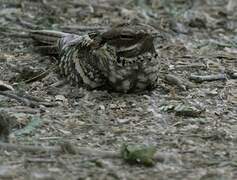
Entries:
{"x":59,"y":83}
{"x":25,"y":148}
{"x":40,"y":160}
{"x":183,"y":84}
{"x":56,"y":149}
{"x":198,"y":78}
{"x":27,"y":100}
{"x":64,"y":148}
{"x":21,"y":109}
{"x":27,"y":24}
{"x":41,"y":75}
{"x":175,"y":80}
{"x":19,"y":99}
{"x":194,"y":65}
{"x":50,"y":138}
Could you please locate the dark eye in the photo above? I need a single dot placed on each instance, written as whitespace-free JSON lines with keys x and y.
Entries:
{"x":126,"y":36}
{"x":93,"y":34}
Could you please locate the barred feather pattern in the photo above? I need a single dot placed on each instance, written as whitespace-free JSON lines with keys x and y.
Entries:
{"x":78,"y":62}
{"x":134,"y":74}
{"x":102,"y":67}
{"x":121,"y":59}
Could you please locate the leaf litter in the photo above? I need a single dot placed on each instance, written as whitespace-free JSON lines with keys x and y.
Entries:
{"x":190,"y":124}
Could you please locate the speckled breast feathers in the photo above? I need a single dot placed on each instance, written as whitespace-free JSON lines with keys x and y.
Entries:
{"x":122,"y":59}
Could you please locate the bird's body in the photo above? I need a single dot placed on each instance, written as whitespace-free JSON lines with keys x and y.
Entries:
{"x":119,"y":59}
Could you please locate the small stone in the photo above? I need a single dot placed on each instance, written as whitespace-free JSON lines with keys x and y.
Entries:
{"x":123,"y":121}
{"x":61,"y":98}
{"x":102,"y":107}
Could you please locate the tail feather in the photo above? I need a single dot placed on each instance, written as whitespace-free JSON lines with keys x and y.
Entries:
{"x":48,"y":37}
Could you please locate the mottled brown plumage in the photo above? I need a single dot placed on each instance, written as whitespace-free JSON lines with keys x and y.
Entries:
{"x":122,"y":58}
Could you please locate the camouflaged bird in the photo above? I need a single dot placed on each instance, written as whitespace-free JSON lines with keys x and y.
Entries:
{"x":122,"y":58}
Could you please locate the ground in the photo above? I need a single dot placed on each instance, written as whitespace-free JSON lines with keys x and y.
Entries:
{"x":192,"y":125}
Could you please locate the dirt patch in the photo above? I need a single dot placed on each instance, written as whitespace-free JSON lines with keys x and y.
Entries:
{"x":190,"y":117}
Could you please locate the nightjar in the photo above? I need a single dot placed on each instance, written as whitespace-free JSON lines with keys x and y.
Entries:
{"x":121,"y":59}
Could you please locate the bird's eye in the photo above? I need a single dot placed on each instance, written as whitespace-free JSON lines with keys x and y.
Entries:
{"x":126,"y":36}
{"x":93,"y":34}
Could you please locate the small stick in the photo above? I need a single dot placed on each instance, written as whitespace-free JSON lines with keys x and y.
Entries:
{"x":50,"y":138}
{"x":59,"y":83}
{"x":19,"y":99}
{"x":40,"y":160}
{"x":21,"y":109}
{"x":28,"y":148}
{"x":215,"y":77}
{"x":27,"y":24}
{"x":194,"y":65}
{"x":28,"y":100}
{"x":69,"y":148}
{"x":41,"y":75}
{"x":175,"y":80}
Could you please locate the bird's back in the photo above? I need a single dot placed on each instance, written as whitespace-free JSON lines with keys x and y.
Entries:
{"x":97,"y":61}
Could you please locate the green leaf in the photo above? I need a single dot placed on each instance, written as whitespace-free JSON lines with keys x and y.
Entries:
{"x":138,"y":154}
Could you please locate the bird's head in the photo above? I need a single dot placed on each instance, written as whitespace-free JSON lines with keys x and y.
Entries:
{"x":131,"y":39}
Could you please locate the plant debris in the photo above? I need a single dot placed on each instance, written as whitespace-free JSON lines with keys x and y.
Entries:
{"x":135,"y":154}
{"x":50,"y":129}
